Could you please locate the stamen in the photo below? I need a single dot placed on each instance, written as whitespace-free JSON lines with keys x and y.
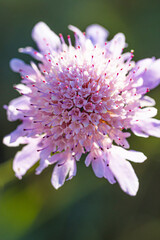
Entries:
{"x":69,"y":40}
{"x":62,"y":39}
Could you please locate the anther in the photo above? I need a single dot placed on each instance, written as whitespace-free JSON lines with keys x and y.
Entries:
{"x":69,"y":40}
{"x":147,"y":90}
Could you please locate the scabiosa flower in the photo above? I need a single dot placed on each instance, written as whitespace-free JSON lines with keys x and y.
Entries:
{"x":82,"y":99}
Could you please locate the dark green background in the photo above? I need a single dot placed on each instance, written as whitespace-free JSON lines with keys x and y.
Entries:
{"x":86,"y":207}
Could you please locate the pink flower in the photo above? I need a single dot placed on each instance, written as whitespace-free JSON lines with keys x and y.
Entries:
{"x":82,"y":99}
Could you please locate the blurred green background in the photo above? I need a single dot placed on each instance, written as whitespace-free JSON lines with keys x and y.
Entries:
{"x":86,"y":207}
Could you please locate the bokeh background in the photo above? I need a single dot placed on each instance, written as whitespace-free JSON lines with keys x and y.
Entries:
{"x":86,"y":207}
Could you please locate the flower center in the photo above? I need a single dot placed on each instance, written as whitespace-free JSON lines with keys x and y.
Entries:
{"x":85,"y":95}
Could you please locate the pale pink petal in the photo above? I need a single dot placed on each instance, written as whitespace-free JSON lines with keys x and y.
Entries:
{"x":20,"y":140}
{"x":18,"y":65}
{"x":98,"y":166}
{"x":142,"y":66}
{"x":78,"y":152}
{"x":32,"y":52}
{"x":45,"y":38}
{"x":147,"y":101}
{"x":147,"y":127}
{"x":88,"y":159}
{"x":26,"y":158}
{"x":16,"y":137}
{"x":131,"y":155}
{"x":117,"y":44}
{"x":73,"y":170}
{"x":145,"y":113}
{"x":149,"y":72}
{"x":15,"y":106}
{"x":45,"y":156}
{"x":61,"y":171}
{"x":81,"y":37}
{"x":23,"y":89}
{"x":43,"y":164}
{"x":137,"y":130}
{"x":124,"y":173}
{"x":97,"y":34}
{"x":109,"y":175}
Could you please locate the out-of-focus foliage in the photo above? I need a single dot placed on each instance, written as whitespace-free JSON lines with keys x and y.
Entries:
{"x":86,"y":207}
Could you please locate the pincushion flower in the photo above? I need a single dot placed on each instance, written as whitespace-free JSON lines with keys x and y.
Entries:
{"x":82,"y":99}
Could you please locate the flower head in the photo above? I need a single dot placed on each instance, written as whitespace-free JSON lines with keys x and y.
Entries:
{"x":82,"y":99}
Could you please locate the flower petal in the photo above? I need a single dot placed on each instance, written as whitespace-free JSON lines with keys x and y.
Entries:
{"x":32,"y":52}
{"x":20,"y":103}
{"x":147,"y":127}
{"x":66,"y":167}
{"x":147,"y":101}
{"x":149,"y":71}
{"x":131,"y":155}
{"x":116,"y":45}
{"x":138,"y":131}
{"x":26,"y":158}
{"x":145,"y":113}
{"x":81,"y":37}
{"x":124,"y":173}
{"x":20,"y":140}
{"x":23,"y":89}
{"x":98,"y":166}
{"x":88,"y":159}
{"x":97,"y":34}
{"x":45,"y":156}
{"x":109,"y":175}
{"x":16,"y":137}
{"x":20,"y":66}
{"x":44,"y":37}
